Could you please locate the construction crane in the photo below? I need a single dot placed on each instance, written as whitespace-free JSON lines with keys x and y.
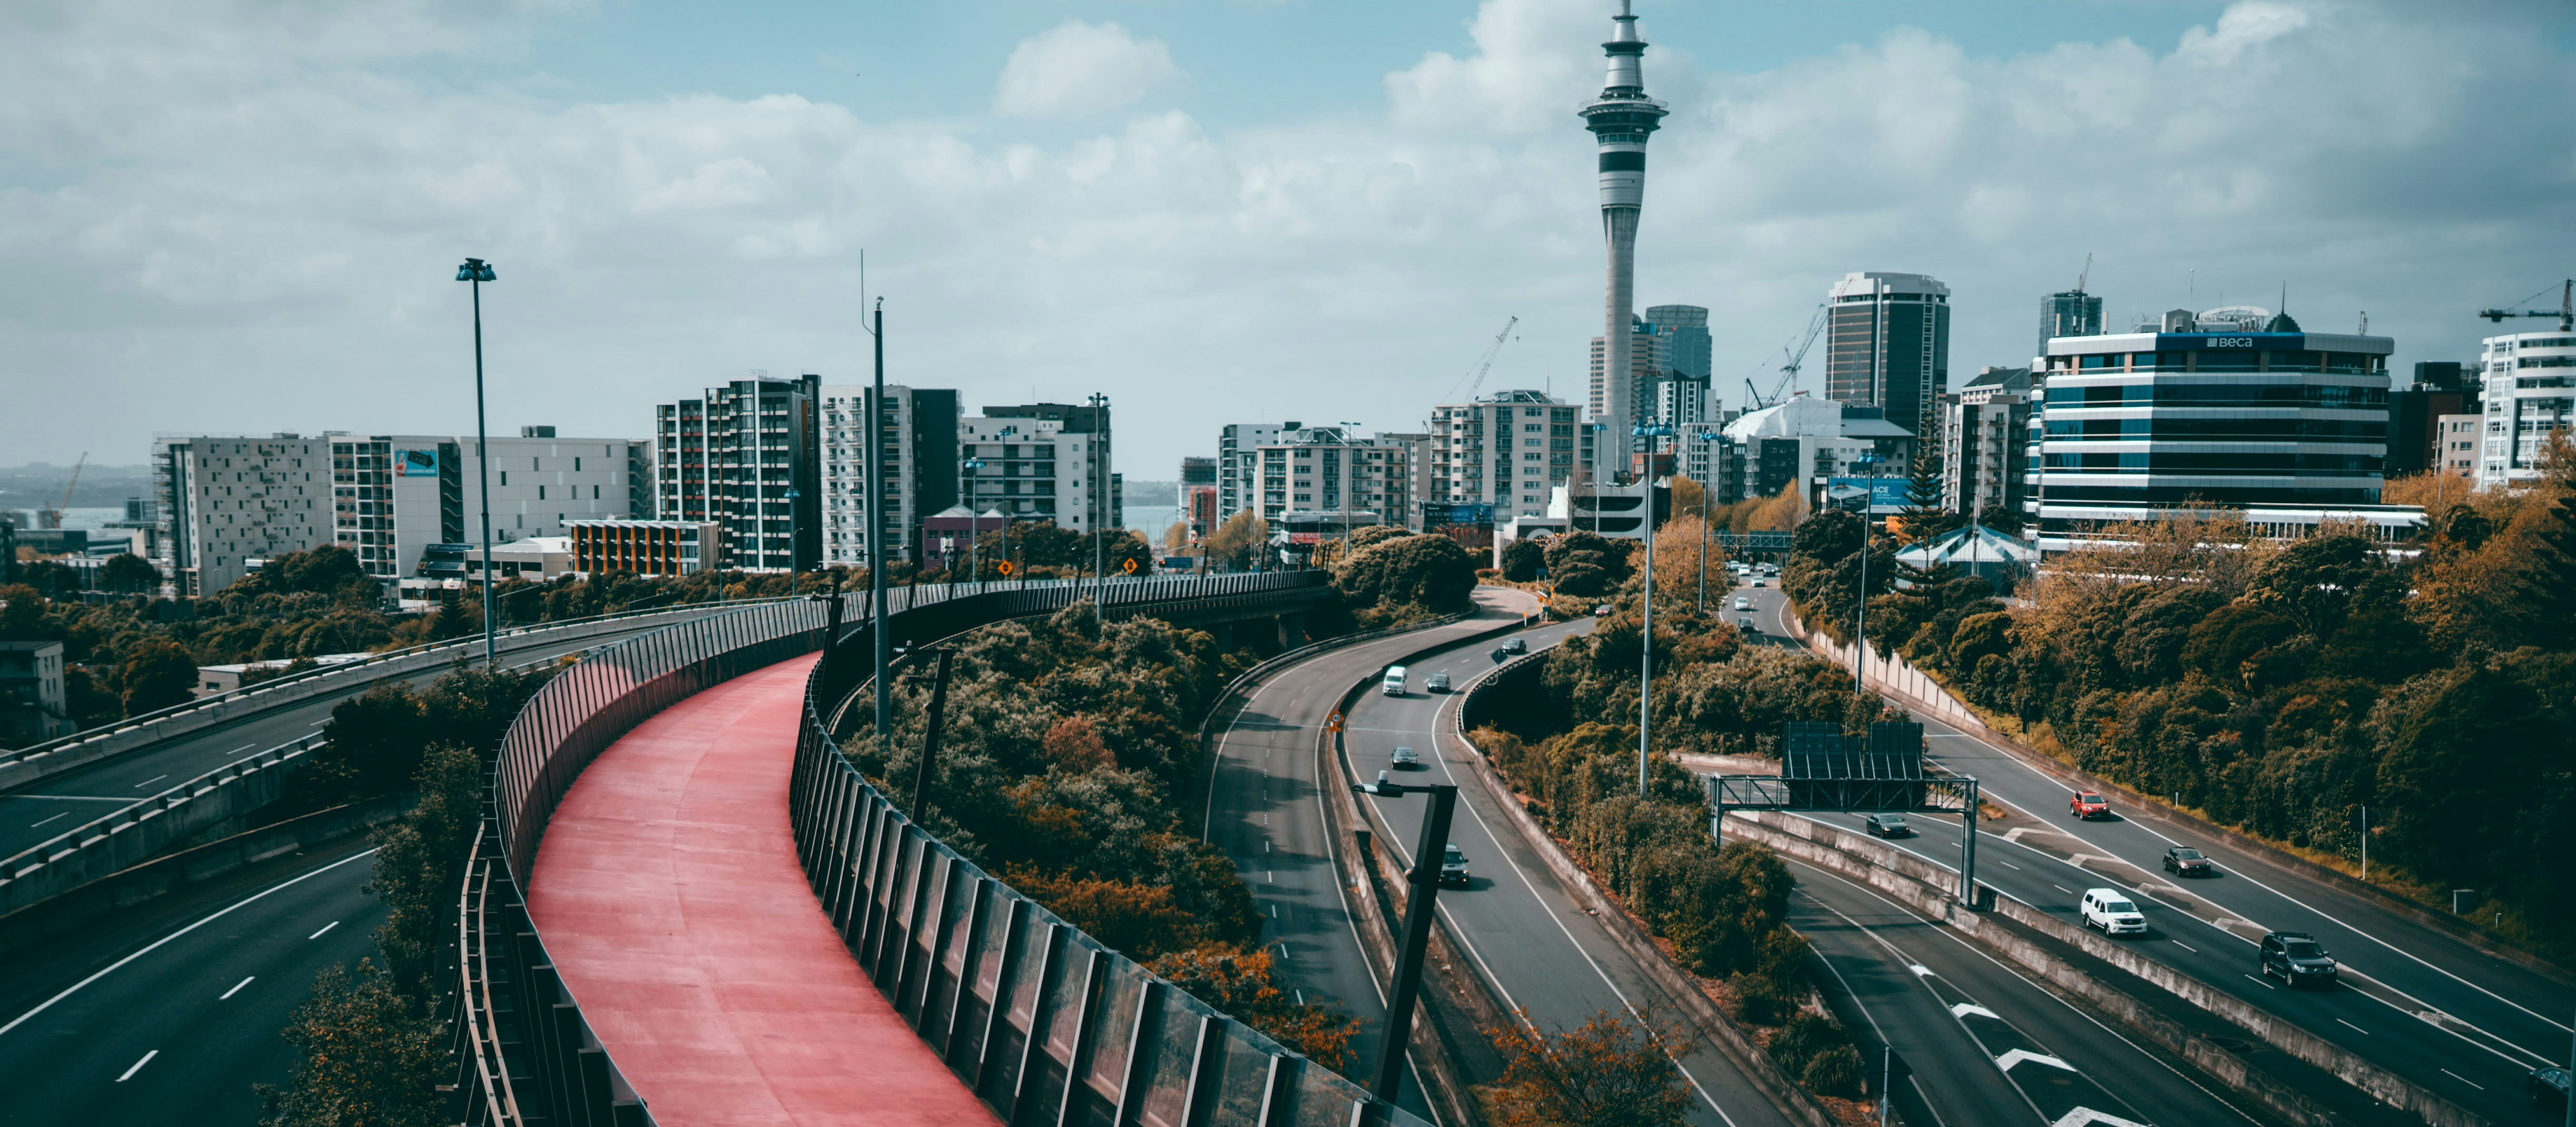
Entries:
{"x":1485,"y":363}
{"x":53,"y":518}
{"x":2087,"y":275}
{"x":2566,"y":311}
{"x":1797,"y":359}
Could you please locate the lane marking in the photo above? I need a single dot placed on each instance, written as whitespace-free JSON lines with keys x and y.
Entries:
{"x":2266,"y":984}
{"x":2184,"y":946}
{"x":2354,"y":1028}
{"x":112,"y":968}
{"x":137,"y":1066}
{"x":2024,"y":1056}
{"x":128,"y":799}
{"x":2061,"y":888}
{"x":2445,"y":1072}
{"x":1920,"y":971}
{"x":150,"y":781}
{"x":1963,"y":1009}
{"x":325,"y":927}
{"x":244,"y":747}
{"x":236,"y":988}
{"x":64,"y":814}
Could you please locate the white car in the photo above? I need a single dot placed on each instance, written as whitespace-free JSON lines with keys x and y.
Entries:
{"x":2112,"y":911}
{"x":1742,"y":603}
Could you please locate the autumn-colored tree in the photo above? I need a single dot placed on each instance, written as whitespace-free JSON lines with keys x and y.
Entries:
{"x":1244,"y":986}
{"x":1615,"y":1070}
{"x":156,"y":674}
{"x":1073,"y":744}
{"x":366,"y":1057}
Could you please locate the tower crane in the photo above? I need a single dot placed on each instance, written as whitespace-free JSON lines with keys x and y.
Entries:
{"x":1797,"y":359}
{"x":1485,"y":363}
{"x":54,"y":517}
{"x":2566,"y":311}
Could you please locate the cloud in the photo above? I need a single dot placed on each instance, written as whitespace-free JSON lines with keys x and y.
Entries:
{"x":1080,"y":68}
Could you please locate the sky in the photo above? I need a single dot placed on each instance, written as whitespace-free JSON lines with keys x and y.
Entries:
{"x":227,"y":216}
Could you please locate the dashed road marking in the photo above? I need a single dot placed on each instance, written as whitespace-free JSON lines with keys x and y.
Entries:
{"x":236,"y":988}
{"x":2354,"y":1028}
{"x":325,"y":928}
{"x":2445,"y":1072}
{"x":2025,"y":1056}
{"x":2266,"y":985}
{"x":1963,"y":1009}
{"x":137,"y":1066}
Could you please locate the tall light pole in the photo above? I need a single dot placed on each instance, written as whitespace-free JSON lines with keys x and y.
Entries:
{"x":1705,"y":437}
{"x":477,"y":272}
{"x":1646,"y":671}
{"x":974,"y":539}
{"x":876,"y":534}
{"x":1101,"y":507}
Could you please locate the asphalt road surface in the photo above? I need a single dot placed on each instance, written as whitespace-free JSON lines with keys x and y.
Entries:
{"x":170,"y":1011}
{"x":2462,"y":1023}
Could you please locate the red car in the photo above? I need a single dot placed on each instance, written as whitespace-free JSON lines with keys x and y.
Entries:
{"x":2086,"y":804}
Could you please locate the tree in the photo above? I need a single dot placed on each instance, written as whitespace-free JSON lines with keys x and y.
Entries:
{"x":367,"y":1057}
{"x":157,"y":674}
{"x":1239,"y":539}
{"x":1925,"y":516}
{"x":2002,"y":518}
{"x":1583,"y":562}
{"x":1827,"y":537}
{"x":1243,"y":986}
{"x":1522,"y":560}
{"x":126,"y":571}
{"x":1403,"y":572}
{"x":1613,"y":1071}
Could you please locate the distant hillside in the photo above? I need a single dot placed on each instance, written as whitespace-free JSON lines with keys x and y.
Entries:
{"x":1150,"y":492}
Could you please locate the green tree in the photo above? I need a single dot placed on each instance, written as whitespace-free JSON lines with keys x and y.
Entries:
{"x":1399,"y":573}
{"x":1522,"y":560}
{"x":1244,"y":987}
{"x":1612,"y":1071}
{"x":366,"y":1057}
{"x":2002,"y":518}
{"x":126,"y":571}
{"x":1585,"y":563}
{"x":419,"y":859}
{"x":156,"y":674}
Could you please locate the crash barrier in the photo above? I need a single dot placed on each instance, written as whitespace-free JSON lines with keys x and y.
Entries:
{"x":37,"y":762}
{"x":212,"y":803}
{"x":524,"y":1054}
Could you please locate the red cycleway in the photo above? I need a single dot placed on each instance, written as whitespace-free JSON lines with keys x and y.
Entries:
{"x":669,"y":895}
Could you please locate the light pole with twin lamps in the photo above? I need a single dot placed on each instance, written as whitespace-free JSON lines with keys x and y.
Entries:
{"x":1646,"y":675}
{"x":477,"y":271}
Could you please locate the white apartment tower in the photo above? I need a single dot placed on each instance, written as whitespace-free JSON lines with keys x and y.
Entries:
{"x":918,"y":430}
{"x":230,"y":500}
{"x":1507,"y":450}
{"x":2530,"y":393}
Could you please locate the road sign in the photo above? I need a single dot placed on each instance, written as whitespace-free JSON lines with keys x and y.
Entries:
{"x":1004,"y":567}
{"x":1333,"y":723}
{"x":1129,"y":567}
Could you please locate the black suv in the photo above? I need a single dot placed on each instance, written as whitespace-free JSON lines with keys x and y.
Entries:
{"x":1887,"y":825}
{"x":2297,"y":958}
{"x":2184,"y":861}
{"x":2548,"y":1087}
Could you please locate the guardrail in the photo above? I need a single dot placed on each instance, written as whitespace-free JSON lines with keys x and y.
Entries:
{"x":523,"y":1052}
{"x":37,"y":762}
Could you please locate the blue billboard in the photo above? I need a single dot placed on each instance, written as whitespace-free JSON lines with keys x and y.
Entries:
{"x":1443,"y":516}
{"x":1886,"y":494}
{"x":415,"y":463}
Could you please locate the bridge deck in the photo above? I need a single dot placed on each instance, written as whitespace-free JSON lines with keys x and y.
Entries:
{"x":669,"y":895}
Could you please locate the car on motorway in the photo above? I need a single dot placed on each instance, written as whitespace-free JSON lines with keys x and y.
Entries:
{"x":1394,"y":685}
{"x":2184,"y":861}
{"x":1742,"y":603}
{"x":2088,"y":805}
{"x":1602,"y":611}
{"x":1516,"y":645}
{"x":2113,"y":912}
{"x":1501,"y":655}
{"x":1757,"y":581}
{"x":1745,"y":625}
{"x":2548,"y":1087}
{"x":1405,"y":758}
{"x":2297,"y":958}
{"x":1436,"y":683}
{"x":1887,"y":825}
{"x":1453,"y":866}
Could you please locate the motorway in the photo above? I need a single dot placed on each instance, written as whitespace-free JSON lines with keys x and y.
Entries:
{"x":30,"y":816}
{"x":2462,"y":1023}
{"x":168,"y":1012}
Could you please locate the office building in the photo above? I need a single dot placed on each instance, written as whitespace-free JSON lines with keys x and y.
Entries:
{"x":2457,"y":451}
{"x":2286,"y":426}
{"x":1887,"y":343}
{"x":1101,"y":484}
{"x":1506,"y":450}
{"x":1984,"y":427}
{"x":1620,"y":120}
{"x":2415,"y":436}
{"x":33,"y":704}
{"x":1803,"y":441}
{"x":744,"y":455}
{"x":656,"y":548}
{"x":1238,"y":468}
{"x":2069,"y":313}
{"x":2529,"y":393}
{"x":918,"y":430}
{"x":1032,"y":469}
{"x":395,"y":495}
{"x":1417,"y":480}
{"x":1318,"y":483}
{"x":231,"y":502}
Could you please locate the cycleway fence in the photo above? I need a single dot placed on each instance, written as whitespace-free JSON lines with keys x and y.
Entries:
{"x":1048,"y":1021}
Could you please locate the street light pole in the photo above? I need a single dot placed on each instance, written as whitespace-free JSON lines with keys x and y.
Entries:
{"x":876,"y":536}
{"x":1424,"y":882}
{"x":1646,"y":650}
{"x":477,"y":272}
{"x":974,"y":539}
{"x":1705,"y":437}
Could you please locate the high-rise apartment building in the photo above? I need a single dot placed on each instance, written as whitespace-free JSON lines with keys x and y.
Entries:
{"x":1238,"y":468}
{"x":1985,"y":426}
{"x":228,"y":502}
{"x":2529,"y":394}
{"x":1508,"y":450}
{"x":745,"y":456}
{"x":1091,"y":420}
{"x":917,"y":428}
{"x":2290,"y":427}
{"x":1317,"y":483}
{"x":2068,"y":313}
{"x":1646,"y":369}
{"x":2415,"y":435}
{"x":395,"y":495}
{"x":2456,"y":453}
{"x":1197,"y":495}
{"x":1685,"y":354}
{"x":1620,"y":120}
{"x":1887,"y":343}
{"x":1031,"y":469}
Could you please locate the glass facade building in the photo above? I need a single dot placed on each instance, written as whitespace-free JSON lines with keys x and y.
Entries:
{"x":1887,"y":343}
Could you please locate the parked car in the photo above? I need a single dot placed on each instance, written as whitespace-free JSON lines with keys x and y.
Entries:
{"x":2298,"y":958}
{"x":1453,"y":866}
{"x":1436,"y":683}
{"x":2112,"y":911}
{"x":1405,"y":758}
{"x":2088,"y":805}
{"x":2548,"y":1088}
{"x":2183,"y":861}
{"x":1742,"y":603}
{"x":1515,"y":645}
{"x":1887,"y":825}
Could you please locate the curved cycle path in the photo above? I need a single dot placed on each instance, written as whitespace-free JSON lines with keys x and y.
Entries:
{"x":670,"y":898}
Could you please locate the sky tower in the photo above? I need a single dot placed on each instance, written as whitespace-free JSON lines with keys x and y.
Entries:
{"x":1622,"y":117}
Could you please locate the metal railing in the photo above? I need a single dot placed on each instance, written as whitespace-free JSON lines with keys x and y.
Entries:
{"x":524,"y":1053}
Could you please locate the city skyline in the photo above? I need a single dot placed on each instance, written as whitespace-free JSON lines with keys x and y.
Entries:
{"x":726,"y":251}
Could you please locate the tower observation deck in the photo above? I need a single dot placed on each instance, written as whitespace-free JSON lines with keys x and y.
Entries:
{"x":1622,"y":118}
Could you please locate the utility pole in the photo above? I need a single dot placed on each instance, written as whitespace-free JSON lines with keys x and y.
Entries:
{"x":1423,"y":890}
{"x":932,"y":726}
{"x":876,"y":535}
{"x":1860,"y":634}
{"x":477,"y":271}
{"x":1646,"y":651}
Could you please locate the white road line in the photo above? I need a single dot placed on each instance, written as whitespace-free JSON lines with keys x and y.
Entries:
{"x":244,"y":747}
{"x":2061,"y":888}
{"x":64,"y":814}
{"x":319,"y":723}
{"x":126,"y":799}
{"x":325,"y":927}
{"x":137,"y":1066}
{"x":237,"y":988}
{"x":112,"y":968}
{"x":2354,"y":1028}
{"x":2266,"y":985}
{"x":2007,"y":864}
{"x":2445,"y":1072}
{"x":2184,"y":946}
{"x":150,"y":781}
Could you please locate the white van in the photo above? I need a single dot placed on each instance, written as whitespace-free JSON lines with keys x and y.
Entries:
{"x":1394,"y":685}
